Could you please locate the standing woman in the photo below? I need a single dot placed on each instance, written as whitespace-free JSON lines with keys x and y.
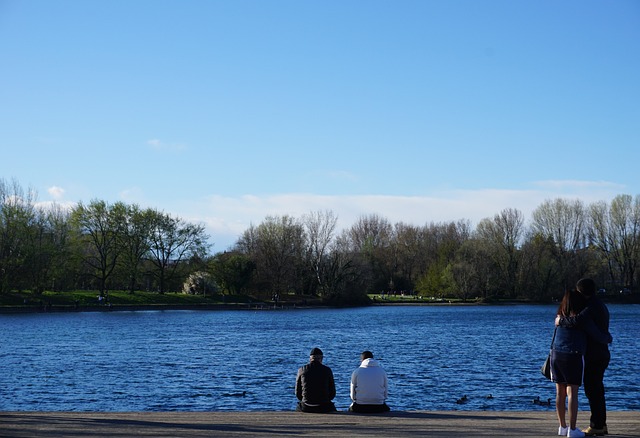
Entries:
{"x":567,"y":360}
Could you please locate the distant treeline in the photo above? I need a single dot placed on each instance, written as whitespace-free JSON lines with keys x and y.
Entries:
{"x":103,"y":246}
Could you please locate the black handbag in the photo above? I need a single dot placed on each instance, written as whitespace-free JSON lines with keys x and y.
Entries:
{"x":545,"y":369}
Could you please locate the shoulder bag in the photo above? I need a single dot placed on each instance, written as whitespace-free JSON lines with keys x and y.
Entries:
{"x":545,"y":369}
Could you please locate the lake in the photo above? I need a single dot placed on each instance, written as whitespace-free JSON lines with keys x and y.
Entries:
{"x":201,"y":360}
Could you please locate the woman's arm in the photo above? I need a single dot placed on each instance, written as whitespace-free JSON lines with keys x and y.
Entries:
{"x":574,"y":321}
{"x":584,"y":321}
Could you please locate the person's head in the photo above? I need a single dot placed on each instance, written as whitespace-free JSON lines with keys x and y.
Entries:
{"x":586,"y":287}
{"x":366,"y":355}
{"x":315,"y":355}
{"x":573,"y":302}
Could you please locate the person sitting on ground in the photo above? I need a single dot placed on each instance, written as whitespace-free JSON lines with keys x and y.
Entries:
{"x":369,"y":386}
{"x":315,"y":387}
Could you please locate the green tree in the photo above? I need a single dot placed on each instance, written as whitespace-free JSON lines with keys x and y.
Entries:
{"x":232,"y":271}
{"x":135,"y":242}
{"x":172,"y":242}
{"x":441,"y":243}
{"x":50,"y":259}
{"x":436,"y":281}
{"x":99,"y":227}
{"x":17,"y":219}
{"x":503,"y":234}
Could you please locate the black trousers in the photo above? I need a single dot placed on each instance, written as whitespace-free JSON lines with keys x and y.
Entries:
{"x":594,"y":369}
{"x":320,"y":409}
{"x":368,"y":409}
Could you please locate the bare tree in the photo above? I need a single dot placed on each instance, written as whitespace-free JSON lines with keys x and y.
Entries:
{"x":563,"y":222}
{"x":540,"y":271}
{"x":320,"y":227}
{"x":482,"y":269}
{"x":409,"y":253}
{"x":370,"y":240}
{"x":277,"y":248}
{"x":344,"y":283}
{"x":615,"y":231}
{"x":463,"y":275}
{"x":503,"y":233}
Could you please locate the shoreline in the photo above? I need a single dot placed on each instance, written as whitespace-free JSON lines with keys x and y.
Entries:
{"x":234,"y":306}
{"x":18,"y":309}
{"x":289,"y":423}
{"x":146,"y":307}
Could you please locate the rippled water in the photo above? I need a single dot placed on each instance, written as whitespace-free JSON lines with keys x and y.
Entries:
{"x":202,"y":360}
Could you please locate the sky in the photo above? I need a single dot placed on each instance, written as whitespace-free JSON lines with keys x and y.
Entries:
{"x":225,"y":112}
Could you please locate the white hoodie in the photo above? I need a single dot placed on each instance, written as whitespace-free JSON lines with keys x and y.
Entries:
{"x":369,"y":383}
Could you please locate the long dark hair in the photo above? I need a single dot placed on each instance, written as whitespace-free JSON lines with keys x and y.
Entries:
{"x":572,"y":303}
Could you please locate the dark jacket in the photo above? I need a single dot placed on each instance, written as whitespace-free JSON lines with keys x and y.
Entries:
{"x":594,"y":320}
{"x":315,"y":384}
{"x":570,"y":340}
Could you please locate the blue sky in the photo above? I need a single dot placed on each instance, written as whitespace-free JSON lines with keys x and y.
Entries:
{"x":224,"y":112}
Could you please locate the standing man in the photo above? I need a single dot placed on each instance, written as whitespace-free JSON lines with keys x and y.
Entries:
{"x":315,"y":387}
{"x":597,"y":356}
{"x":369,"y":386}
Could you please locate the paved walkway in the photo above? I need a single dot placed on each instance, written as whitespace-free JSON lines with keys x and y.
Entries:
{"x":294,"y":424}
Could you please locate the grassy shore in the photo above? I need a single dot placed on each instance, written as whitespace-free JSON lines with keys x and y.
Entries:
{"x":124,"y":300}
{"x":83,"y":300}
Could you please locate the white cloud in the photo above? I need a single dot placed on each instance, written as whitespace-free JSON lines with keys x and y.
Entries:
{"x":159,"y":145}
{"x":56,"y":192}
{"x":132,"y":195}
{"x":578,"y":185}
{"x":53,"y":205}
{"x":227,"y":217}
{"x":342,"y":175}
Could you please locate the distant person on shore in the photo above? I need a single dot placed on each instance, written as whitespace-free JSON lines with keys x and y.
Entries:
{"x":597,"y":356}
{"x":369,"y":388}
{"x":315,"y":387}
{"x":567,"y":360}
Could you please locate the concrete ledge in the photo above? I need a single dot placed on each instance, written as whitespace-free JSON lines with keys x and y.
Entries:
{"x":292,"y":424}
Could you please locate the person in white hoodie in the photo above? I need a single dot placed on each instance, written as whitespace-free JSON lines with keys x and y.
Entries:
{"x":369,"y":386}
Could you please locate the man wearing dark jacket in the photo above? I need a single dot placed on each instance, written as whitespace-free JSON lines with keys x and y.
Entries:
{"x":597,"y":356}
{"x":315,"y":387}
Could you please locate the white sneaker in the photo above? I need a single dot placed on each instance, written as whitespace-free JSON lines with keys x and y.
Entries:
{"x":575,"y":433}
{"x":562,"y":431}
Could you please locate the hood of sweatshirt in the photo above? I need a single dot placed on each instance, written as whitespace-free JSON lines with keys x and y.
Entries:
{"x":368,"y":363}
